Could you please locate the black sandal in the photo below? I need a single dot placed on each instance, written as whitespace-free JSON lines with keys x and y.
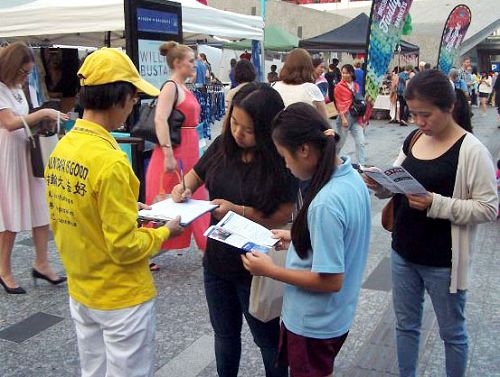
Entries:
{"x":154,"y":267}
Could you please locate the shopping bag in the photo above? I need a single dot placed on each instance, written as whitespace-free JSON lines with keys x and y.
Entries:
{"x":41,"y":147}
{"x":331,"y":110}
{"x":266,"y":294}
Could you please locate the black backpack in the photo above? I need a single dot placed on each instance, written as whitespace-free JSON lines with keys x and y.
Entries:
{"x":358,"y":107}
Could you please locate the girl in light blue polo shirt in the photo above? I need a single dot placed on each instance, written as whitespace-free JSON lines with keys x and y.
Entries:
{"x":328,"y":244}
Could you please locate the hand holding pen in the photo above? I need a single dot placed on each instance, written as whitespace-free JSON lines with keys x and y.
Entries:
{"x":180,"y":192}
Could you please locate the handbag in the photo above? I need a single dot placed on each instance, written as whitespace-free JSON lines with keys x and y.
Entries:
{"x":388,"y":210}
{"x":388,"y":216}
{"x":358,"y":106}
{"x":331,"y":110}
{"x":266,"y":294}
{"x":145,"y":126}
{"x":42,"y":144}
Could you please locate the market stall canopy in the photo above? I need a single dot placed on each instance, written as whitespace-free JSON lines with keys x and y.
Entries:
{"x":83,"y":22}
{"x":350,"y":37}
{"x":275,"y":39}
{"x":429,"y":16}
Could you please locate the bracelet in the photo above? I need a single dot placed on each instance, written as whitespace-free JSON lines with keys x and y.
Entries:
{"x":166,"y":145}
{"x":243,"y":211}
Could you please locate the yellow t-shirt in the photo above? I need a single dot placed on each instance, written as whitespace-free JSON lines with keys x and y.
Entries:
{"x":92,"y":195}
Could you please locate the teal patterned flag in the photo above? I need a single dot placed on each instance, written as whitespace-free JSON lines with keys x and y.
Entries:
{"x":453,"y":35}
{"x":387,"y":19}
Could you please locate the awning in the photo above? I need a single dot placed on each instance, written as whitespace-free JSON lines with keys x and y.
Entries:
{"x":350,"y":37}
{"x":275,"y":39}
{"x":83,"y":22}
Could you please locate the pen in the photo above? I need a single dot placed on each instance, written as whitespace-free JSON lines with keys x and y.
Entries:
{"x":182,"y":175}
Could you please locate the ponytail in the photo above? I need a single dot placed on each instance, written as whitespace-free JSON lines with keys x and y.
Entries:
{"x":295,"y":126}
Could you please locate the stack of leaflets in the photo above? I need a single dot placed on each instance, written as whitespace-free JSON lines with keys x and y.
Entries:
{"x":396,"y":179}
{"x":242,"y":233}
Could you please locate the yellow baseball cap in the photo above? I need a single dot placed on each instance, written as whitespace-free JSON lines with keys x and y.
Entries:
{"x":109,"y":65}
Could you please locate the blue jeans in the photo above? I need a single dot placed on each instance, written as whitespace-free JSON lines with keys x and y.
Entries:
{"x":409,"y":283}
{"x":357,"y":133}
{"x":227,"y":304}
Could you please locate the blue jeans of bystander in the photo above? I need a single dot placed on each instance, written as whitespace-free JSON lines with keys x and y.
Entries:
{"x":410,"y":281}
{"x":357,"y":133}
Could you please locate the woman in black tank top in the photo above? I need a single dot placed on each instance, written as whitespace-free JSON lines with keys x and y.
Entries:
{"x":426,"y":240}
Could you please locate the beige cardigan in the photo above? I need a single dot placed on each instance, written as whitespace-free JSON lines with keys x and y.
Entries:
{"x":474,"y":201}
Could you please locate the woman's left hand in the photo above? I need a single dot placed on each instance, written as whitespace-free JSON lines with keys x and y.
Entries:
{"x":258,"y":264}
{"x":143,"y":206}
{"x":420,"y":202}
{"x":224,"y":206}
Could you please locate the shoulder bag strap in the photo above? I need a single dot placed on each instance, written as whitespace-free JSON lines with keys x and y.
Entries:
{"x":414,"y":139}
{"x":176,"y":93}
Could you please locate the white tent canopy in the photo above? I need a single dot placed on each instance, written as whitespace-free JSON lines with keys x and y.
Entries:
{"x":82,"y":22}
{"x":429,"y":16}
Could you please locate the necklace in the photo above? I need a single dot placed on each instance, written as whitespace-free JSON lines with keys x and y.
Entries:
{"x":17,"y":96}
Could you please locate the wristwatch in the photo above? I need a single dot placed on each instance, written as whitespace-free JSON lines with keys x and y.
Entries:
{"x":166,"y":146}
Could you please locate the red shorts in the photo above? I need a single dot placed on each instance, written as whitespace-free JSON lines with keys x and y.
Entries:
{"x":308,"y":357}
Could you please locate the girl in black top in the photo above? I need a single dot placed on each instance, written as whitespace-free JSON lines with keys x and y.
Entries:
{"x":244,"y":174}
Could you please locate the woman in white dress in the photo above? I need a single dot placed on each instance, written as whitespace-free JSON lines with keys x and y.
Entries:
{"x":22,"y":196}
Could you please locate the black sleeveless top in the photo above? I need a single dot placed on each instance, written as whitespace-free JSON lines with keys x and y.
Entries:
{"x":416,"y":237}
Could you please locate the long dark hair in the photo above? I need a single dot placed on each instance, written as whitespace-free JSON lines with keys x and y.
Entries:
{"x":261,"y":103}
{"x":350,"y":69}
{"x":461,"y":111}
{"x":431,"y":86}
{"x":295,"y":126}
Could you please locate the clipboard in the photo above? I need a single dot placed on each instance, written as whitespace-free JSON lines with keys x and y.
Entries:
{"x":167,"y":209}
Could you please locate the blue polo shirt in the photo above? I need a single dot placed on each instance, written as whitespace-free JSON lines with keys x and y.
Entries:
{"x":339,"y":222}
{"x":201,"y":71}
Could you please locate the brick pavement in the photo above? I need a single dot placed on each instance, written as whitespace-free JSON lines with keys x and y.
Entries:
{"x":44,"y":343}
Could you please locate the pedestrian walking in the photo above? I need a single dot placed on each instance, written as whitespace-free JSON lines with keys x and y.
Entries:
{"x":328,"y":245}
{"x":232,"y":64}
{"x":347,"y":123}
{"x":272,"y":75}
{"x":94,"y":219}
{"x":22,"y":202}
{"x":243,"y":173}
{"x":434,"y":234}
{"x":496,"y":90}
{"x":393,"y":96}
{"x":333,"y":77}
{"x":244,"y":72}
{"x":403,"y":79}
{"x":485,"y":89}
{"x":297,"y":81}
{"x":319,"y":77}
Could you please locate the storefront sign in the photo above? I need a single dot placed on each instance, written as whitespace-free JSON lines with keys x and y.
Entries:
{"x":154,"y":21}
{"x":152,"y":66}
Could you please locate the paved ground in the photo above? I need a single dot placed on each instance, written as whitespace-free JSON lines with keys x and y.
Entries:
{"x":42,"y":339}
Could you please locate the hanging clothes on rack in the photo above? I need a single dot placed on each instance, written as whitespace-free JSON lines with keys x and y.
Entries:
{"x":211,"y":98}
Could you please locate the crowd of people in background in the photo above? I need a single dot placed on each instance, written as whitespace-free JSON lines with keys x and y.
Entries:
{"x":278,"y":162}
